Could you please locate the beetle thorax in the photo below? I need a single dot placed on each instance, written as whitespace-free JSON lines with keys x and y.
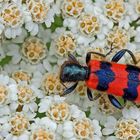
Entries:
{"x":74,"y":73}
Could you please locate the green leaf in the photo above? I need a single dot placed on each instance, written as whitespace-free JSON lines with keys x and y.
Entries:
{"x":37,"y":100}
{"x":134,"y":24}
{"x":132,"y":39}
{"x":58,"y":22}
{"x":40,"y":115}
{"x":48,"y":45}
{"x":87,"y":113}
{"x":5,"y":60}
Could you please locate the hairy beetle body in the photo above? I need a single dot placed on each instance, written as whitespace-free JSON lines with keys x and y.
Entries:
{"x":73,"y":73}
{"x":117,"y":79}
{"x":110,"y":77}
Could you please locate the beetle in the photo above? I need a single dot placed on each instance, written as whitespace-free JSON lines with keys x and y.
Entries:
{"x":110,"y":77}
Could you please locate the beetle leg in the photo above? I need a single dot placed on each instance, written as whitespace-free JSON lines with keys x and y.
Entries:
{"x":89,"y":94}
{"x":111,"y":49}
{"x":88,"y":56}
{"x":70,"y":89}
{"x":72,"y":58}
{"x":124,"y":101}
{"x":63,"y":84}
{"x":121,"y":53}
{"x":115,"y":102}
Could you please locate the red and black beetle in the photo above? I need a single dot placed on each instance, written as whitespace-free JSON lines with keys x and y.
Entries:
{"x":115,"y":79}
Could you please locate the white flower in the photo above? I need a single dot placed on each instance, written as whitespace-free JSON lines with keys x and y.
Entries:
{"x":43,"y":129}
{"x":63,"y":42}
{"x":11,"y":19}
{"x":109,"y":125}
{"x":92,"y":22}
{"x":12,"y":129}
{"x":76,"y":129}
{"x":46,"y":103}
{"x":35,"y":16}
{"x":125,"y":126}
{"x":51,"y":84}
{"x":131,"y":113}
{"x":44,"y":122}
{"x":14,"y":51}
{"x":58,"y":110}
{"x":33,"y":50}
{"x":8,"y":94}
{"x":2,"y":53}
{"x":27,"y":95}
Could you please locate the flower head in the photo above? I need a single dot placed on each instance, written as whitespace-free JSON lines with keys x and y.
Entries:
{"x":118,"y":38}
{"x":65,"y":44}
{"x":3,"y":94}
{"x":11,"y":16}
{"x":43,"y":129}
{"x":33,"y":50}
{"x":25,"y":95}
{"x":19,"y":123}
{"x":105,"y":105}
{"x":11,"y":19}
{"x":89,"y":24}
{"x":38,"y":10}
{"x":115,"y":10}
{"x":42,"y":134}
{"x":59,"y":112}
{"x":83,"y":129}
{"x":72,"y":8}
{"x":137,"y":7}
{"x":21,"y":76}
{"x":127,"y":129}
{"x":51,"y":84}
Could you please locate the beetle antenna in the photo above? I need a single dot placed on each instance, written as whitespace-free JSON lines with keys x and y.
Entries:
{"x":63,"y":84}
{"x":110,"y":50}
{"x":70,"y":89}
{"x":73,"y":59}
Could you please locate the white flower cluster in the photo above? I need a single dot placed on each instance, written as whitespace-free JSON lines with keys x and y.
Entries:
{"x":54,"y":119}
{"x":36,"y":37}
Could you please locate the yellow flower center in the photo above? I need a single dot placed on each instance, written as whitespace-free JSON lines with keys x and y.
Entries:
{"x":42,"y":134}
{"x":38,"y":9}
{"x":127,"y":129}
{"x":81,"y":89}
{"x":34,"y":50}
{"x":98,"y":50}
{"x":72,"y":8}
{"x":59,"y":112}
{"x":4,"y":0}
{"x":51,"y":84}
{"x":114,"y":9}
{"x":25,"y":94}
{"x":105,"y":106}
{"x":65,"y":44}
{"x":19,"y":124}
{"x":137,"y":7}
{"x":3,"y":94}
{"x":118,"y":38}
{"x":83,"y":129}
{"x":89,"y":24}
{"x":21,"y":76}
{"x":11,"y":15}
